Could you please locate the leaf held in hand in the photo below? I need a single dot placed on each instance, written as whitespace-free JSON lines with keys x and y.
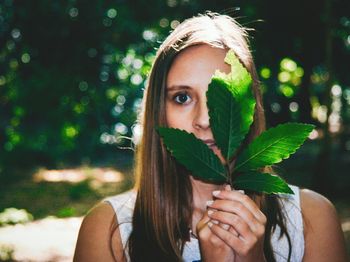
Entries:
{"x":273,"y":145}
{"x":238,"y":81}
{"x":231,"y":106}
{"x":262,"y":182}
{"x":194,"y":154}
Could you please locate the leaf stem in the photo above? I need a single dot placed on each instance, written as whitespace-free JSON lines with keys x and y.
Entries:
{"x":228,"y":174}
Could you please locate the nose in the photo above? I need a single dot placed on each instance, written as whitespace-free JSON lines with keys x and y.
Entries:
{"x":201,"y":118}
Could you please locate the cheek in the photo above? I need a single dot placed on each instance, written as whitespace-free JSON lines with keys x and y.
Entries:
{"x":170,"y":117}
{"x":176,"y":119}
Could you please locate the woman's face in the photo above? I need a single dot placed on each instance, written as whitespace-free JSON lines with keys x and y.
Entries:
{"x":187,"y":84}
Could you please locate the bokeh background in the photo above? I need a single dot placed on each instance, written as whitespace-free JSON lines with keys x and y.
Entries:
{"x":72,"y":75}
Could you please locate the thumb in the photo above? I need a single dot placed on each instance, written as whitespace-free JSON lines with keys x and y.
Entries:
{"x":202,"y":224}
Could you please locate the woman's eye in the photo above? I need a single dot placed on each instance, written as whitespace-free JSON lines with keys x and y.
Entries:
{"x":182,"y":98}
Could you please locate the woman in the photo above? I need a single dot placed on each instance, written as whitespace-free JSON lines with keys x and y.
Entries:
{"x":170,"y":215}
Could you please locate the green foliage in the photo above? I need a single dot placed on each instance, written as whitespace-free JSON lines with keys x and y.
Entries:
{"x":193,"y":154}
{"x":272,"y":146}
{"x":83,"y":67}
{"x":80,"y":190}
{"x":70,"y":102}
{"x":67,"y":212}
{"x":259,"y":182}
{"x":238,"y":81}
{"x":230,"y":121}
{"x":231,"y":110}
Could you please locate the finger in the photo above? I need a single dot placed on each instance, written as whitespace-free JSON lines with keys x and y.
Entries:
{"x":237,"y":208}
{"x":233,"y":231}
{"x":234,"y":241}
{"x":202,"y":224}
{"x":238,"y":224}
{"x":223,"y":226}
{"x":226,"y":227}
{"x":244,"y":199}
{"x":204,"y":233}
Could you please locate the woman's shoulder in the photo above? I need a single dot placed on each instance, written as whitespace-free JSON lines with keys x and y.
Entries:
{"x":98,"y":231}
{"x":317,"y":210}
{"x":95,"y":235}
{"x":307,"y":201}
{"x":313,"y":202}
{"x":324,"y":240}
{"x":122,"y":201}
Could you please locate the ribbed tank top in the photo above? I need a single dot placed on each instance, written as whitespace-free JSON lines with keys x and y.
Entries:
{"x":123,"y":206}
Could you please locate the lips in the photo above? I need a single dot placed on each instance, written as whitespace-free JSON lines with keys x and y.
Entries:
{"x":209,"y":142}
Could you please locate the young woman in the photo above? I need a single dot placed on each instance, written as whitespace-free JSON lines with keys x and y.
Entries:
{"x":172,"y":216}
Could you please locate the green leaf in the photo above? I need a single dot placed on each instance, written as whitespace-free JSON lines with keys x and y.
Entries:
{"x":238,"y":80}
{"x":272,"y":146}
{"x":231,"y":106}
{"x":194,"y":154}
{"x":224,"y":113}
{"x":262,"y":182}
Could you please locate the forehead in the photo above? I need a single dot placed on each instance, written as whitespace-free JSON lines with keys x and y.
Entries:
{"x":196,"y":64}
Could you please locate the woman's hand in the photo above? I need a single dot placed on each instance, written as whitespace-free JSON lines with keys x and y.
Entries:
{"x":232,"y":229}
{"x":212,"y":247}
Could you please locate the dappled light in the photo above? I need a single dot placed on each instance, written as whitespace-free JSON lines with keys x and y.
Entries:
{"x":103,"y":175}
{"x":290,"y":77}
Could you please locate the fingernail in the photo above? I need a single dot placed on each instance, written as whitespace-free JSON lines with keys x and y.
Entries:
{"x":225,"y":226}
{"x":241,"y":191}
{"x":210,"y":224}
{"x":216,"y":193}
{"x":210,"y":202}
{"x":215,"y":222}
{"x":210,"y":212}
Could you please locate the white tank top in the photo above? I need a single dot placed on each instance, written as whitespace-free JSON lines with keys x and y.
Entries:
{"x":123,"y":206}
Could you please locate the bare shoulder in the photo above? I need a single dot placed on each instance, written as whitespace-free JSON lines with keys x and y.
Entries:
{"x":313,"y":204}
{"x":97,"y":235}
{"x":324,"y":240}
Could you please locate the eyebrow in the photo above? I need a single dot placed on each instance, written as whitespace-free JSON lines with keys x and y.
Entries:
{"x":177,"y":87}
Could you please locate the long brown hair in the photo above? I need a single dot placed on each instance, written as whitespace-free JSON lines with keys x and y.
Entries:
{"x":163,"y":208}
